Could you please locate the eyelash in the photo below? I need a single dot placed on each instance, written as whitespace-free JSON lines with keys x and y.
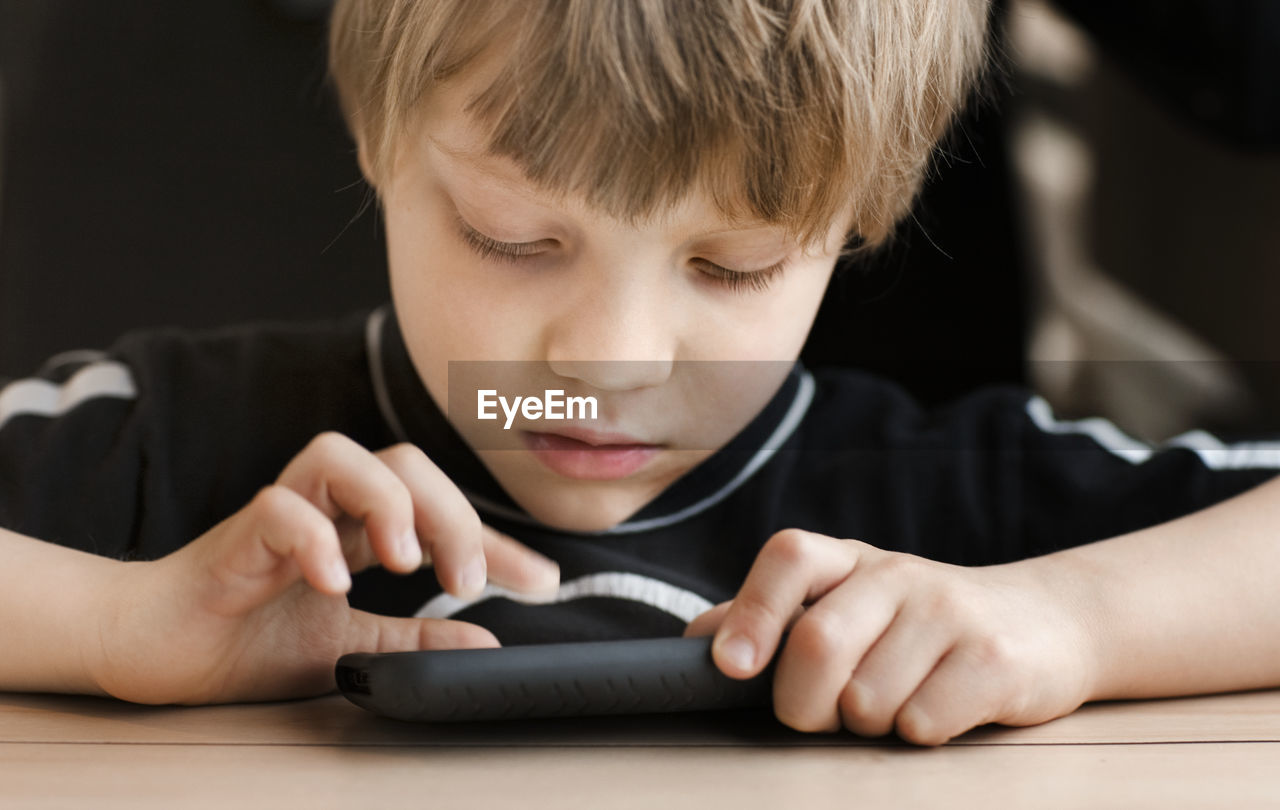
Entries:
{"x":734,"y":280}
{"x":737,"y":281}
{"x":490,"y":248}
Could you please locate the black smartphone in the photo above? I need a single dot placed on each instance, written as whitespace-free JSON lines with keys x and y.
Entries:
{"x":547,"y":680}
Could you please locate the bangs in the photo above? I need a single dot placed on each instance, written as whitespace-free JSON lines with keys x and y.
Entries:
{"x":800,"y":114}
{"x":640,"y":125}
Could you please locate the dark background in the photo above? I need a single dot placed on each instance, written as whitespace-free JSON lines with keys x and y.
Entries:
{"x":171,"y":163}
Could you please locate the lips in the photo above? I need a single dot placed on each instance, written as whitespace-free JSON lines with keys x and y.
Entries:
{"x":589,"y":455}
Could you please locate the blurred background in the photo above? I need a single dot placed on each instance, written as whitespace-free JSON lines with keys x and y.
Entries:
{"x":1104,"y":225}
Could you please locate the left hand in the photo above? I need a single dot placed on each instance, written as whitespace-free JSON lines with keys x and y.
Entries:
{"x":884,"y":641}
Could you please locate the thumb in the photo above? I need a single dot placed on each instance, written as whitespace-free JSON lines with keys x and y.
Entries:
{"x":706,"y":623}
{"x":371,"y":632}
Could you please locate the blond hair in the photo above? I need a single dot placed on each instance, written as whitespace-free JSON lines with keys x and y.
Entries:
{"x":793,"y":112}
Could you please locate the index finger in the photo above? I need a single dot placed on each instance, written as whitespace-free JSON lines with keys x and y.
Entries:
{"x":447,"y":524}
{"x":793,"y":568}
{"x":340,"y":477}
{"x":514,"y":565}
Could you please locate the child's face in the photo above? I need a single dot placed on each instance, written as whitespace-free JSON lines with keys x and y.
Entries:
{"x":600,"y":308}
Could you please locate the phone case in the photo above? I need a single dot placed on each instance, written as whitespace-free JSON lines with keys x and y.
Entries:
{"x":547,"y":680}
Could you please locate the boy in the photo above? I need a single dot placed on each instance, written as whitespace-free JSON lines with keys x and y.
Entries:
{"x":638,"y":205}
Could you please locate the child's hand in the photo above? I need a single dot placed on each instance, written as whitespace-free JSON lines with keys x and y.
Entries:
{"x":885,"y":641}
{"x":254,"y":609}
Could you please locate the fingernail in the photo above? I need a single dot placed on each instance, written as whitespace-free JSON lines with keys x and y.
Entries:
{"x":551,"y":576}
{"x":739,"y":651}
{"x":339,"y":576}
{"x":473,"y":576}
{"x":410,"y":550}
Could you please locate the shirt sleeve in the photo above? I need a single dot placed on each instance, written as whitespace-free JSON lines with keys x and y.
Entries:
{"x":72,"y":452}
{"x":997,"y":476}
{"x":137,"y":450}
{"x":1086,"y":479}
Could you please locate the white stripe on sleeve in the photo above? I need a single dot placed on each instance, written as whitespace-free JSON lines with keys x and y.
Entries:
{"x":1213,"y":452}
{"x":43,"y":398}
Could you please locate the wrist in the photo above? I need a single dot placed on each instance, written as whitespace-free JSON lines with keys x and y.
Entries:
{"x":51,"y":600}
{"x":1078,"y":590}
{"x":110,"y":644}
{"x":103,"y":598}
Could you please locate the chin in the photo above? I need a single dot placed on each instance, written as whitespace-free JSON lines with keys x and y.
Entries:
{"x":587,"y":509}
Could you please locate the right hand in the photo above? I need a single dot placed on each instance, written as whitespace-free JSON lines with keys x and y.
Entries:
{"x":254,"y":609}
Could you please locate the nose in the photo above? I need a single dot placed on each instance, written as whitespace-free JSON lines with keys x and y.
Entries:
{"x":619,"y":338}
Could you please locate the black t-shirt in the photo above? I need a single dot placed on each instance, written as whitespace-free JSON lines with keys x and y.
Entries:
{"x":136,"y":451}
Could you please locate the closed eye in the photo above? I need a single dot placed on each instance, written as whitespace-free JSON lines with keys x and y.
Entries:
{"x":489,"y":248}
{"x":742,"y":280}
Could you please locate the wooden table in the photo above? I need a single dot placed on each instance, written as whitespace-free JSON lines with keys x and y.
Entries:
{"x":56,"y":751}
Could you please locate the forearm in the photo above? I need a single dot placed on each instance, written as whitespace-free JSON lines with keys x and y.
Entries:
{"x":1187,"y":607}
{"x":51,"y":603}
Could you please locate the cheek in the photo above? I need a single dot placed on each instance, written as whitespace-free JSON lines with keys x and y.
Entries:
{"x":443,"y":296}
{"x":793,"y":311}
{"x":771,"y":325}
